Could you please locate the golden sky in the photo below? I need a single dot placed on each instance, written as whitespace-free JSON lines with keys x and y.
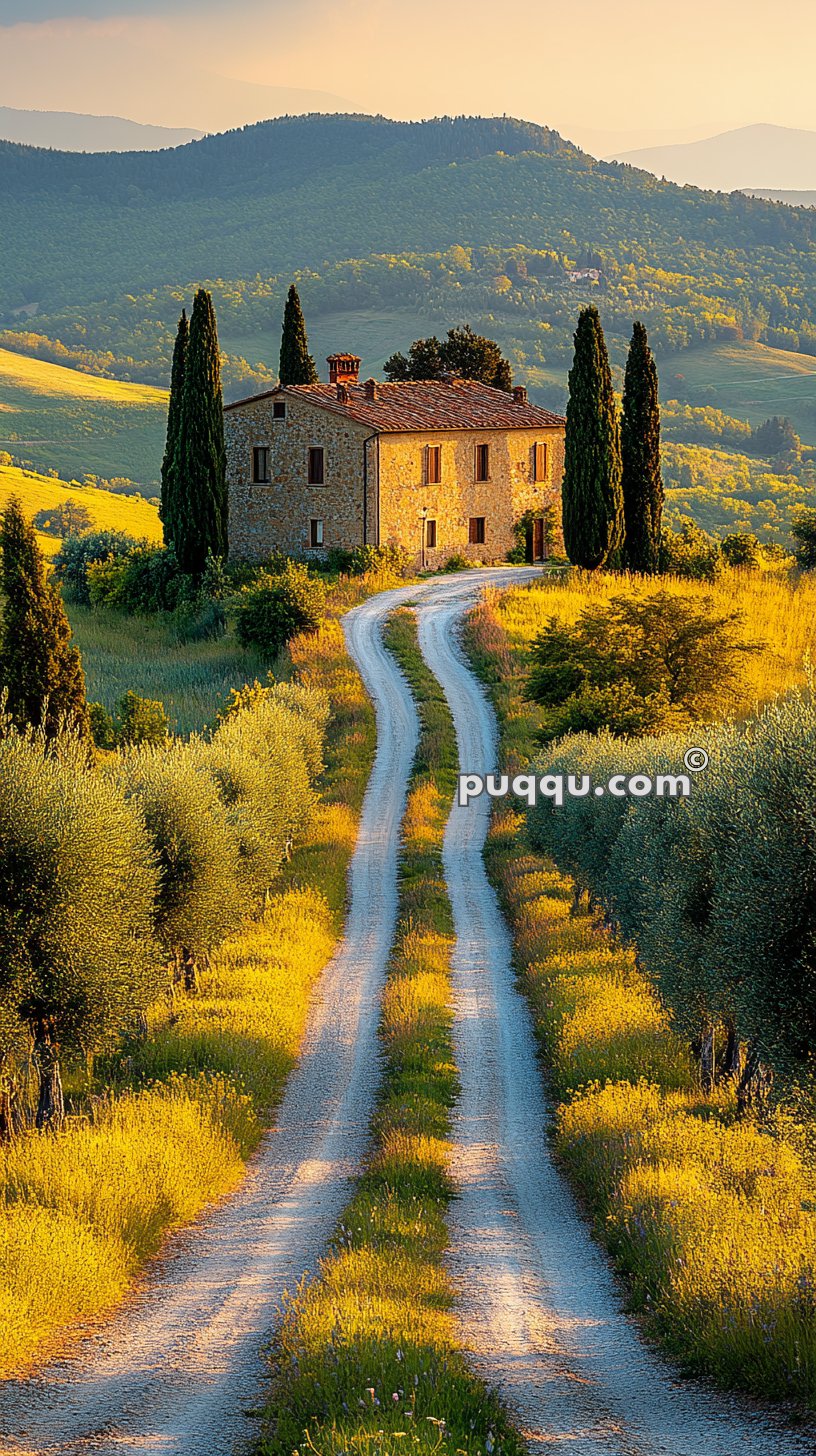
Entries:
{"x":613,"y":75}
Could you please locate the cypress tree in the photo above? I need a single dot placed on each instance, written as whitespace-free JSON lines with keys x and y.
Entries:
{"x":169,"y":476}
{"x":200,"y":521}
{"x":296,"y":363}
{"x":640,"y":456}
{"x":592,"y":500}
{"x":40,"y":669}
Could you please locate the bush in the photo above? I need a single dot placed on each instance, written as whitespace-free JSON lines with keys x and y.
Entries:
{"x":78,"y":959}
{"x":637,"y":665}
{"x":200,"y":898}
{"x":141,"y":720}
{"x":374,"y":559}
{"x":78,"y":553}
{"x":69,"y":518}
{"x":741,"y":548}
{"x":803,"y":531}
{"x":147,"y":579}
{"x":275,"y":608}
{"x":103,"y":728}
{"x":690,"y":552}
{"x":456,"y":562}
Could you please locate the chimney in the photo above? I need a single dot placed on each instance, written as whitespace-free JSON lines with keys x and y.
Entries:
{"x":343,"y":368}
{"x":371,"y":390}
{"x":519,"y":394}
{"x":342,"y":392}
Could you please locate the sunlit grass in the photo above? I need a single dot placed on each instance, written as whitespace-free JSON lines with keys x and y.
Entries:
{"x":107,"y":511}
{"x":81,"y":1210}
{"x":366,"y":1359}
{"x":711,"y":1218}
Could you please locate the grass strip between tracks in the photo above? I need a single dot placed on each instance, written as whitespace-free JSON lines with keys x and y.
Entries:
{"x":710,"y":1219}
{"x":366,"y":1357}
{"x":81,"y":1211}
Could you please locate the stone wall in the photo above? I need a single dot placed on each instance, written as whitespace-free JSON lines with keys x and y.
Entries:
{"x":266,"y":518}
{"x":380,"y":501}
{"x":507,"y":495}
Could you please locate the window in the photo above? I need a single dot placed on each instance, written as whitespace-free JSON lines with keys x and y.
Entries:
{"x":315,"y":533}
{"x":260,"y":465}
{"x":540,"y":462}
{"x":433,"y":464}
{"x":476,"y":534}
{"x":317,"y":465}
{"x":279,"y":409}
{"x":482,"y":462}
{"x":430,"y":535}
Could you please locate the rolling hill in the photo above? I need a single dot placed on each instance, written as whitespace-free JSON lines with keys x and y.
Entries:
{"x":73,"y":422}
{"x":752,"y":158}
{"x":107,"y":511}
{"x":71,"y":131}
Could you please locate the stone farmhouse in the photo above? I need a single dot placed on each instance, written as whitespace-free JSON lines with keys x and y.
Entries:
{"x":440,"y":467}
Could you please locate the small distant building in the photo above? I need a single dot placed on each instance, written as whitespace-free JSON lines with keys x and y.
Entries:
{"x":584,"y":275}
{"x":440,"y":467}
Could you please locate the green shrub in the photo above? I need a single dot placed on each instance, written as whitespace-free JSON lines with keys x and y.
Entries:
{"x":637,"y":664}
{"x":77,"y":553}
{"x":200,"y":898}
{"x":803,"y":531}
{"x":147,"y":579}
{"x":393,"y":559}
{"x":103,"y":728}
{"x":78,"y":960}
{"x":457,"y":562}
{"x":690,"y":552}
{"x":69,"y":518}
{"x":741,"y":548}
{"x":141,"y":720}
{"x":275,"y":608}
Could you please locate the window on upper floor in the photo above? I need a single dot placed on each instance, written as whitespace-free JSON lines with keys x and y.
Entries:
{"x":317,"y":465}
{"x":540,"y":461}
{"x":433,"y":464}
{"x":279,"y":409}
{"x":260,"y":465}
{"x":482,"y":462}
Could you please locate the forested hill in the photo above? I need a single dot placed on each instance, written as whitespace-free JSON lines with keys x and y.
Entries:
{"x":307,"y":192}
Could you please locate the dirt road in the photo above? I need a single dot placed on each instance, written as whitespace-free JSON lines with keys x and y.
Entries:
{"x":174,"y":1373}
{"x":539,"y":1307}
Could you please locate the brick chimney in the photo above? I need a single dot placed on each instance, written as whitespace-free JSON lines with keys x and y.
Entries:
{"x":371,"y":390}
{"x":344,"y":368}
{"x":342,"y":393}
{"x":519,"y":394}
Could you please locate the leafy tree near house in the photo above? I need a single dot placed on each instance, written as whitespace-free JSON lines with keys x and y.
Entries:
{"x":641,"y":481}
{"x":199,"y":522}
{"x":40,"y":668}
{"x":169,"y":475}
{"x":592,"y":496}
{"x":296,"y":363}
{"x":463,"y":352}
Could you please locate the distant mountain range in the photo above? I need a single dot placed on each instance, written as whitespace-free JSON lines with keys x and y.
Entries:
{"x":71,"y":131}
{"x":767,"y":160}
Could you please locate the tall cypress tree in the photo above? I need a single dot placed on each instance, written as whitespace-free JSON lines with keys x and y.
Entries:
{"x":200,"y":522}
{"x":40,"y":669}
{"x":640,"y":457}
{"x":296,"y":363}
{"x":169,"y":475}
{"x":592,"y":500}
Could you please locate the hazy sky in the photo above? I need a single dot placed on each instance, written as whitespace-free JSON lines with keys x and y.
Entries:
{"x":607,"y":75}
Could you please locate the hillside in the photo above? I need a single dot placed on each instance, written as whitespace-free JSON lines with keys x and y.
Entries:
{"x":76,"y":423}
{"x":108,"y":512}
{"x":754,"y":158}
{"x":71,"y":131}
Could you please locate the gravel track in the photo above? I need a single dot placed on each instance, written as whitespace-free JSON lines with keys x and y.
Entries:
{"x":176,"y":1371}
{"x":539,"y":1307}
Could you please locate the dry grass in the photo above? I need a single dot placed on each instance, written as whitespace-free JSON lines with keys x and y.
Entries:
{"x":108,"y":511}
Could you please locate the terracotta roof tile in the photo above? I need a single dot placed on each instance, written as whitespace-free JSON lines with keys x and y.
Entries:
{"x":458,"y":404}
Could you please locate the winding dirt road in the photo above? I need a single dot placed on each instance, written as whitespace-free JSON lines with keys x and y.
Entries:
{"x":539,"y":1307}
{"x":175,"y":1372}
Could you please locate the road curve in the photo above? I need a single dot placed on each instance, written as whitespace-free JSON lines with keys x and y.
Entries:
{"x":176,"y":1370}
{"x":539,"y":1308}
